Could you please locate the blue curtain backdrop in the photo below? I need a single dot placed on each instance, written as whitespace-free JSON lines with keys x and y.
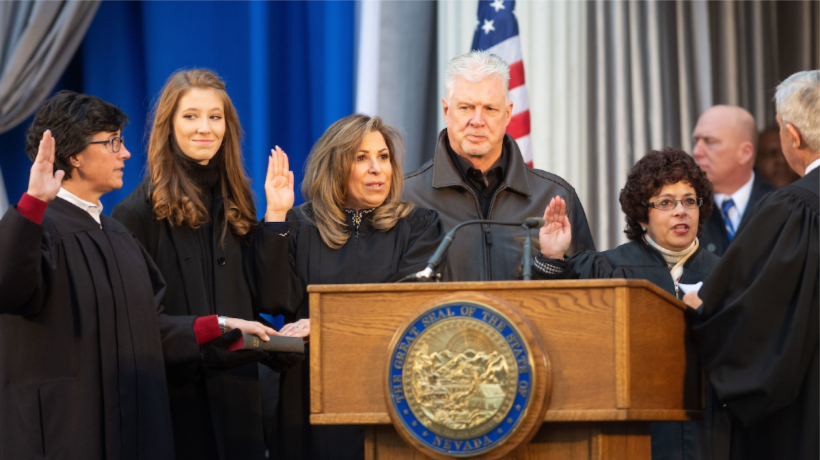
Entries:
{"x":288,"y":66}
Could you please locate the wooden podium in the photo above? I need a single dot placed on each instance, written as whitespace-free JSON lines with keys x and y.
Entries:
{"x":618,"y":349}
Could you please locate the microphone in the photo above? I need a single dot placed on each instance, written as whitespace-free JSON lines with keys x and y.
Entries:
{"x":534,"y":222}
{"x":435,"y":260}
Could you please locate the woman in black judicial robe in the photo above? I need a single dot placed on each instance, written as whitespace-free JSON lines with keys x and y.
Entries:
{"x":666,"y":199}
{"x":353,"y":229}
{"x":195,"y":215}
{"x":82,"y":333}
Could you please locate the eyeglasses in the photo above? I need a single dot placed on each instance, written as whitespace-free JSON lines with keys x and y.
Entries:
{"x":667,"y":205}
{"x":112,"y":145}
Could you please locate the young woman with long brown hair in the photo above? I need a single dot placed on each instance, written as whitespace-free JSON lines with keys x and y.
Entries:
{"x":195,"y":215}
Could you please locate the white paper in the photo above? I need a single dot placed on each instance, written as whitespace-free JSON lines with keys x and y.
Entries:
{"x":687,"y":288}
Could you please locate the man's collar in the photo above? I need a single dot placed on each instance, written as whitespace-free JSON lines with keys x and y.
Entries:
{"x":740,"y":197}
{"x":812,"y":166}
{"x":445,"y":173}
{"x":464,"y":166}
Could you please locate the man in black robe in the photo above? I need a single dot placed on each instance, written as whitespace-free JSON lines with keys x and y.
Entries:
{"x":757,"y":325}
{"x":83,"y":343}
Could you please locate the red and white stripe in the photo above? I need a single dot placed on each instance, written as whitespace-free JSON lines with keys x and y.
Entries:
{"x":519,"y":127}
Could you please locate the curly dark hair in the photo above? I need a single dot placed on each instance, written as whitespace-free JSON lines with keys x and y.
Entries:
{"x":649,"y":175}
{"x":73,"y":120}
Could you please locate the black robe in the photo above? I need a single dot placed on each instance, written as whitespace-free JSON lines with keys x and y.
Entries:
{"x":757,"y":330}
{"x":633,"y":260}
{"x":215,"y":413}
{"x":368,"y":256}
{"x":703,"y":440}
{"x":82,"y":339}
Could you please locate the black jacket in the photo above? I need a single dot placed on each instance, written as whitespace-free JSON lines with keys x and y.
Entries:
{"x":368,"y":256}
{"x":714,"y":238}
{"x":486,"y":252}
{"x":214,"y":408}
{"x":82,"y":341}
{"x":633,"y":260}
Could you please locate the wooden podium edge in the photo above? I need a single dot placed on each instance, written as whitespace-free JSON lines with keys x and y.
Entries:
{"x":552,"y":416}
{"x":499,"y":285}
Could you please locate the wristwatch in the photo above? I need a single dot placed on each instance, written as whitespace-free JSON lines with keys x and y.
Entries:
{"x":221,"y":319}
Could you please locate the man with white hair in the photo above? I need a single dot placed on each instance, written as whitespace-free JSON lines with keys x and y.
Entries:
{"x":725,"y":139}
{"x":757,"y":327}
{"x":478,"y":173}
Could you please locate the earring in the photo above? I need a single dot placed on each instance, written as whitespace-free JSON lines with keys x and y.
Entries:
{"x":643,"y":228}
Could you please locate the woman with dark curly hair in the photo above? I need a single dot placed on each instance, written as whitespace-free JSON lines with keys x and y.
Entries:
{"x":666,"y":199}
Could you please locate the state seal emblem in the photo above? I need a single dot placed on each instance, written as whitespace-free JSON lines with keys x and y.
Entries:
{"x":462,"y":379}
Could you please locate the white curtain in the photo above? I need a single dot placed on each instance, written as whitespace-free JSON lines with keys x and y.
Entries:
{"x":37,"y":41}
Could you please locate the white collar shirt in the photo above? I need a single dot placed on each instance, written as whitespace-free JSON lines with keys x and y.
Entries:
{"x":741,"y":199}
{"x":814,"y":165}
{"x":93,"y":210}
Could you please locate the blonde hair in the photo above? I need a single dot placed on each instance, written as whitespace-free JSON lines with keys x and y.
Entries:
{"x":328,"y":169}
{"x":174,"y":195}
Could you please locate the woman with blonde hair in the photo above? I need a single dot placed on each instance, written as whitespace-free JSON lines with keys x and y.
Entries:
{"x":353,"y":228}
{"x":195,"y":214}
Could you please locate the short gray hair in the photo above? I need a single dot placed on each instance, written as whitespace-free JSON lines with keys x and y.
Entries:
{"x":798,"y":102}
{"x":477,"y":66}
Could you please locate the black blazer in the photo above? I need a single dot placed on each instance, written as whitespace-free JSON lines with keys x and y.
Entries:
{"x":714,"y":238}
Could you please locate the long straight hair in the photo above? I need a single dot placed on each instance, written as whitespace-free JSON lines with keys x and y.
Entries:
{"x":174,"y":195}
{"x":328,"y":170}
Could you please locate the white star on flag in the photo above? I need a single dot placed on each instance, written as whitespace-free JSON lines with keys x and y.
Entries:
{"x":488,"y":26}
{"x":498,"y":5}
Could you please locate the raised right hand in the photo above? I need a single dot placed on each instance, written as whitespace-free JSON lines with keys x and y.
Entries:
{"x":278,"y":187}
{"x":556,"y":235}
{"x":44,"y":183}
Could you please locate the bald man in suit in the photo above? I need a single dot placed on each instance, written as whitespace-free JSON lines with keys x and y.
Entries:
{"x":725,"y":143}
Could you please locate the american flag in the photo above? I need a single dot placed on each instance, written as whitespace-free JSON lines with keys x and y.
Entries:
{"x":497,"y":32}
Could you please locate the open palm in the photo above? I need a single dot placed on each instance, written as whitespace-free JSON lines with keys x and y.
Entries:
{"x":278,"y":186}
{"x":556,"y":235}
{"x":44,"y":183}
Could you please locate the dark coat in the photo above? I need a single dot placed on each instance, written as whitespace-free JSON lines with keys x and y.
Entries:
{"x":757,"y":331}
{"x":368,"y":256}
{"x":82,"y":340}
{"x":487,"y":252}
{"x":214,"y":411}
{"x":635,"y":260}
{"x":715,"y":239}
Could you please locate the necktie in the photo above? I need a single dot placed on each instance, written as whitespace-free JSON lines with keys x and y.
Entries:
{"x":730,"y":229}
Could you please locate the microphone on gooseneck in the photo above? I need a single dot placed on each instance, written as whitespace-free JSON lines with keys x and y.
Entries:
{"x":534,"y":222}
{"x":429,"y":273}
